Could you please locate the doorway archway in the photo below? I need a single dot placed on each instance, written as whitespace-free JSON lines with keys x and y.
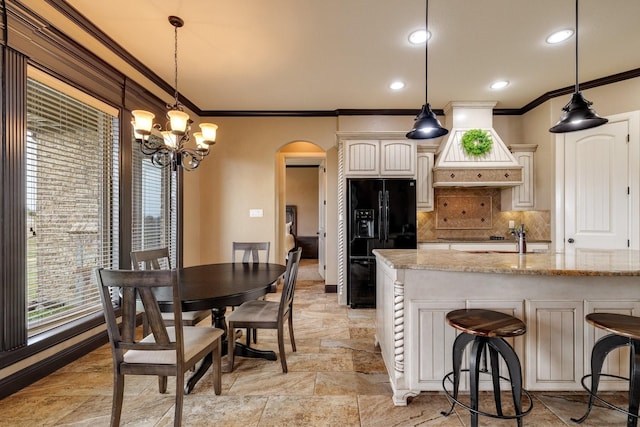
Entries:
{"x":302,"y":160}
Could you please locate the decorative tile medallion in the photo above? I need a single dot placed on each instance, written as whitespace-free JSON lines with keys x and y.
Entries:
{"x":463,"y":212}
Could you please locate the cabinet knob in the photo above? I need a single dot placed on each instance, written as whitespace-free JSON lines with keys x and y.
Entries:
{"x":570,"y":240}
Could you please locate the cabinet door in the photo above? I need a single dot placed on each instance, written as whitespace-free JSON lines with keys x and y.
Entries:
{"x":424,"y":181}
{"x":362,"y":158}
{"x":523,"y":195}
{"x":398,"y":158}
{"x":555,"y":345}
{"x":429,"y":345}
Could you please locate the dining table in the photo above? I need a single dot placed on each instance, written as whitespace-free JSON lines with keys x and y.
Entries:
{"x":218,"y":286}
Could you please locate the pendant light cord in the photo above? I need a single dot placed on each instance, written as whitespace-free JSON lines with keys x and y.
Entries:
{"x":426,"y":53}
{"x":175,"y":59}
{"x":577,"y":85}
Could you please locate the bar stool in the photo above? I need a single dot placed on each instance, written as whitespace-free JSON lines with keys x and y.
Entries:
{"x":625,"y":330}
{"x":486,"y":329}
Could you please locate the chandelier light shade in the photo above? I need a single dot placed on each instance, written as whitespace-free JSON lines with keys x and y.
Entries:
{"x":577,"y":114}
{"x":426,"y":125}
{"x":168,"y":147}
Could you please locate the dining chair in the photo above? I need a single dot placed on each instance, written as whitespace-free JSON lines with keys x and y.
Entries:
{"x":251,"y":252}
{"x":167,"y":350}
{"x":156,"y":259}
{"x":261,"y":314}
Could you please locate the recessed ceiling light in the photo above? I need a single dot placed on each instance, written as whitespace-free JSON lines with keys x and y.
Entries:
{"x":419,"y":36}
{"x":500,"y":84}
{"x":397,"y":85}
{"x":559,"y":36}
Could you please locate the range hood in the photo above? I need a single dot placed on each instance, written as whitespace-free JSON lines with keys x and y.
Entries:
{"x":455,"y":168}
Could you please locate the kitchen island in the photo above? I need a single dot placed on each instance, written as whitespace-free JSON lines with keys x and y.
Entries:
{"x":551,"y":292}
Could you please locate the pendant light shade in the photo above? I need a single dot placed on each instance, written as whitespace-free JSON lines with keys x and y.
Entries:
{"x":577,"y":114}
{"x":426,"y":125}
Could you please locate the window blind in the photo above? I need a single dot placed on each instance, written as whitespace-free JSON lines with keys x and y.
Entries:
{"x":71,"y":204}
{"x":153,"y":205}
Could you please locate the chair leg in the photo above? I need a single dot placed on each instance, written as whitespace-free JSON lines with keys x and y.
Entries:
{"x":283,"y":359}
{"x":231,"y":346}
{"x":162,"y":384}
{"x":293,"y":340}
{"x":255,"y":336}
{"x":217,"y":368}
{"x":177,"y":417}
{"x":118,"y":394}
{"x":495,"y":376}
{"x":515,"y":372}
{"x":460,"y":343}
{"x":249,"y":337}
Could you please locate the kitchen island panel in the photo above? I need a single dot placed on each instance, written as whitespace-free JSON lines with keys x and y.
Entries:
{"x":415,"y":297}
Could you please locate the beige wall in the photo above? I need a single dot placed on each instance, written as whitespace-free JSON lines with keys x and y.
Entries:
{"x":302,"y":192}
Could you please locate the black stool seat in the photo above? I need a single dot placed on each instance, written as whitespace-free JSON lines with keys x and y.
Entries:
{"x":486,"y":329}
{"x":625,"y":331}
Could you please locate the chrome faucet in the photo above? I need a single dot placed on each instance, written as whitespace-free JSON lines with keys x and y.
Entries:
{"x":521,"y":241}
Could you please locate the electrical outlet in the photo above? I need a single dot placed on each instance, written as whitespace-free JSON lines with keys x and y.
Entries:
{"x":512,"y":224}
{"x":255,"y":213}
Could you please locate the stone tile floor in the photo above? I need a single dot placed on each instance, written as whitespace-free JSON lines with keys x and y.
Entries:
{"x":336,"y":378}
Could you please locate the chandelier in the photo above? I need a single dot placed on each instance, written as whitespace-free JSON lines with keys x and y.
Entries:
{"x":168,"y":147}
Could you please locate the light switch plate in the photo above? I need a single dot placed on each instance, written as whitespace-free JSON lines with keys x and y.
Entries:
{"x":512,"y":224}
{"x":255,"y":213}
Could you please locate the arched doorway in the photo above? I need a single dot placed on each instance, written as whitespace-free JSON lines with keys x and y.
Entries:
{"x":301,"y":190}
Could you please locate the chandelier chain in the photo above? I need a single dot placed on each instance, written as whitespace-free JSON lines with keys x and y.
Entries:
{"x":175,"y":59}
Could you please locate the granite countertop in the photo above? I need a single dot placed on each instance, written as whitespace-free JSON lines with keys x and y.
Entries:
{"x":584,"y":262}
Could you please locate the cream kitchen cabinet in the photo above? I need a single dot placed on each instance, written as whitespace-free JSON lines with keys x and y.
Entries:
{"x":521,"y":197}
{"x":424,"y":177}
{"x":386,"y":158}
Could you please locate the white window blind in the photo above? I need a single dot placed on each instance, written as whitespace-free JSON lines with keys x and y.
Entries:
{"x":153,"y":205}
{"x":71,"y":206}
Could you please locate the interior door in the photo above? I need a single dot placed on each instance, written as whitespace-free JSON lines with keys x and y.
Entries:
{"x":596,"y":188}
{"x":322,"y":217}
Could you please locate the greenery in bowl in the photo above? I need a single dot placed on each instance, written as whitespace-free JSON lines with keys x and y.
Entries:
{"x":477,"y":142}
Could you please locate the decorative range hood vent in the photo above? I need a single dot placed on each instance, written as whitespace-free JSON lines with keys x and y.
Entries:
{"x":454,"y":167}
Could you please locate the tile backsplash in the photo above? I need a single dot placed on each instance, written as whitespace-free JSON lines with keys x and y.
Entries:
{"x":461,"y":219}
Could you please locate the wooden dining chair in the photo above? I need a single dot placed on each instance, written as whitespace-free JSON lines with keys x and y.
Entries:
{"x":156,"y":259}
{"x":251,"y":252}
{"x":260,"y":314}
{"x":167,"y":350}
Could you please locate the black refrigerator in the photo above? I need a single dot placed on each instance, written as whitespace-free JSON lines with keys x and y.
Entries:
{"x":382,"y":215}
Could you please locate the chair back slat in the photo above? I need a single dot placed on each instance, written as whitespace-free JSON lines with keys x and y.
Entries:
{"x":151,"y":259}
{"x":251,"y":251}
{"x":290,"y":278}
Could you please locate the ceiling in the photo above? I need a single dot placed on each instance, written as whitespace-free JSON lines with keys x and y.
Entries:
{"x":324,"y":55}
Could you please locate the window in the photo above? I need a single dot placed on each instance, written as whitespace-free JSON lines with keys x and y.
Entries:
{"x":71,"y":201}
{"x":153,"y":205}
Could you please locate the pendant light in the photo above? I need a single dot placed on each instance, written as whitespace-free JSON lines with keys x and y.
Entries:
{"x":426,"y":125}
{"x":578,"y":114}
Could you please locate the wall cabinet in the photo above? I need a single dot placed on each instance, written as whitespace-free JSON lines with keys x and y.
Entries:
{"x":521,"y":197}
{"x":387,"y":158}
{"x":425,"y":159}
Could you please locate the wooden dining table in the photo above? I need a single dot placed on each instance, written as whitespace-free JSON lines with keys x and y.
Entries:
{"x":217,"y":286}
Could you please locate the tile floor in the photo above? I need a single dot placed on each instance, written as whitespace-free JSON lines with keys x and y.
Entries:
{"x":336,"y":378}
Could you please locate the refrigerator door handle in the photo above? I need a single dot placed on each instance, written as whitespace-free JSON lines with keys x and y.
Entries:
{"x":380,"y":217}
{"x":386,"y":216}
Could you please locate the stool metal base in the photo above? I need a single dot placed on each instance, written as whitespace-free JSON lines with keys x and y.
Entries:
{"x":600,"y":350}
{"x":496,"y":347}
{"x":499,"y":415}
